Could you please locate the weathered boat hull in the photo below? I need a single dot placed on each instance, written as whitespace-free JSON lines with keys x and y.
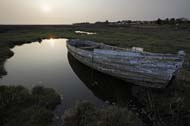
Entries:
{"x":135,"y":67}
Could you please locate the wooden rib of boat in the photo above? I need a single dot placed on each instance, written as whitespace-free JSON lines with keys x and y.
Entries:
{"x":131,"y":65}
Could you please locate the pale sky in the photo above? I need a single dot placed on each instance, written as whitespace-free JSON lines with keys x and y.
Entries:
{"x":73,"y":11}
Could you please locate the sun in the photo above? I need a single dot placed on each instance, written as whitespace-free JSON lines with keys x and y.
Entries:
{"x":46,"y":8}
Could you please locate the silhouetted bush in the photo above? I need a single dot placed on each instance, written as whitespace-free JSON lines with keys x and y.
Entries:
{"x":172,"y":21}
{"x":159,"y":21}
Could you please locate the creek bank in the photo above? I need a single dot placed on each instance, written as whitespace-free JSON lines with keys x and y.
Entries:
{"x":6,"y":53}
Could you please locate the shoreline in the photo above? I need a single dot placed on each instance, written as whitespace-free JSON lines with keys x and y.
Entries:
{"x":21,"y":35}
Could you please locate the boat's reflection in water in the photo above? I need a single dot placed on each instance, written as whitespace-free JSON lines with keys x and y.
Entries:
{"x":167,"y":106}
{"x":107,"y":88}
{"x":103,"y":86}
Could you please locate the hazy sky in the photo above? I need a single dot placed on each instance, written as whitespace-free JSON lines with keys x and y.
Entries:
{"x":71,"y":11}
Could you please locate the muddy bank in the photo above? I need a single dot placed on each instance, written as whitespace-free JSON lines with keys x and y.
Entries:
{"x":5,"y":53}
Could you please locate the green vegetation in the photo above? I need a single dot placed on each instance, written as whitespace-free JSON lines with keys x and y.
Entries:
{"x":85,"y":114}
{"x":20,"y":107}
{"x":165,"y":38}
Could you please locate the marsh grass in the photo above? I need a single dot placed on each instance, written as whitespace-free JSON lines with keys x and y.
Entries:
{"x":21,"y":107}
{"x":167,"y":38}
{"x":86,"y":114}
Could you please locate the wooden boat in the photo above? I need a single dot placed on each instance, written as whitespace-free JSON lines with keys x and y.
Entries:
{"x":131,"y":65}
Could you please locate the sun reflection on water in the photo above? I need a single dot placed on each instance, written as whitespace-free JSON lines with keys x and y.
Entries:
{"x":52,"y":42}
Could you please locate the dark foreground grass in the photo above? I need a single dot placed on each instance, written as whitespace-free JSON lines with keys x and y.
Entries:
{"x":152,"y":37}
{"x":21,"y":107}
{"x":18,"y":106}
{"x":86,"y":114}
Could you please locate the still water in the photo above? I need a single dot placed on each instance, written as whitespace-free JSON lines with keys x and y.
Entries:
{"x":50,"y":65}
{"x":47,"y":64}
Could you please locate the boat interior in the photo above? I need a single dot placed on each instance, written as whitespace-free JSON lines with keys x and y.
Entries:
{"x":89,"y":48}
{"x":90,"y":45}
{"x":87,"y":45}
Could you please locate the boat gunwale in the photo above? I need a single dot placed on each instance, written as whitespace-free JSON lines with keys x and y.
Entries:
{"x":79,"y":52}
{"x":116,"y":48}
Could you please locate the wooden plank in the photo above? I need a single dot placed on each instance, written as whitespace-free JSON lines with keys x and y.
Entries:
{"x":137,"y":66}
{"x":142,"y":63}
{"x":122,"y":54}
{"x":155,"y":74}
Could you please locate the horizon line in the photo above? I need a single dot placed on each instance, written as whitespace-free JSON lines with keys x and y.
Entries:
{"x":89,"y":22}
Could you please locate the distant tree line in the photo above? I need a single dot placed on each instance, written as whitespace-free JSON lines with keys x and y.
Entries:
{"x":127,"y":22}
{"x":172,"y":21}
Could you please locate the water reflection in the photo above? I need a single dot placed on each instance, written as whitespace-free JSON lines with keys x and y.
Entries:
{"x":107,"y":88}
{"x":84,"y":32}
{"x":48,"y":64}
{"x":51,"y":41}
{"x":162,"y":107}
{"x":103,"y":86}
